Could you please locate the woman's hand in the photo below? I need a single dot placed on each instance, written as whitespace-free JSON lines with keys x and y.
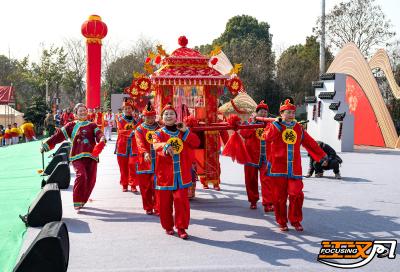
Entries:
{"x":147,"y":157}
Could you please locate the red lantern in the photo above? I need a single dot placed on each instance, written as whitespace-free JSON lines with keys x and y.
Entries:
{"x":214,"y":61}
{"x":94,"y":29}
{"x":148,"y":60}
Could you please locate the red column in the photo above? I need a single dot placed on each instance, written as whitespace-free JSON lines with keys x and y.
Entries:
{"x":94,"y":30}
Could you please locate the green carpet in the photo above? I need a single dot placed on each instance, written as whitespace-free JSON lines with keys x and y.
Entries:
{"x":19,"y":185}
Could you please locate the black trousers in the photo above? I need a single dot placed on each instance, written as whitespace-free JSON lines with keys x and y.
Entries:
{"x":333,"y":164}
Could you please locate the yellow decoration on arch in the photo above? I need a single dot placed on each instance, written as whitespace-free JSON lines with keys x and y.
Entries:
{"x":148,"y":68}
{"x":161,"y":51}
{"x":151,"y":54}
{"x":237,"y":67}
{"x":176,"y":144}
{"x":216,"y":50}
{"x":289,"y":136}
{"x":138,"y":75}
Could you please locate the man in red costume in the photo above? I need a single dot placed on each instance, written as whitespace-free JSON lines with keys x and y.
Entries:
{"x":256,"y":148}
{"x":284,"y":165}
{"x":146,"y":159}
{"x":125,"y":148}
{"x":83,"y":135}
{"x":174,"y":157}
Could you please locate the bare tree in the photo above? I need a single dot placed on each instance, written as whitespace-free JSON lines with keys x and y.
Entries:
{"x":74,"y":84}
{"x":359,"y":21}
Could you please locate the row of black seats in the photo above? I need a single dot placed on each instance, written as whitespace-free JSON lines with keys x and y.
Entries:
{"x":49,"y":252}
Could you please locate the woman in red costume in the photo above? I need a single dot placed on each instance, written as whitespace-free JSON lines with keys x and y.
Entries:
{"x":147,"y":159}
{"x":83,"y":135}
{"x":125,"y":148}
{"x":174,"y":157}
{"x":284,"y":165}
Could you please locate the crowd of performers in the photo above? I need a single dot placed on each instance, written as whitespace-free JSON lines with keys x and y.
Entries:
{"x":13,"y":133}
{"x":158,"y":156}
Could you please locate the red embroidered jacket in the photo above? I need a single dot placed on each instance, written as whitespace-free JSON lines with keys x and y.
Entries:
{"x":284,"y":158}
{"x":172,"y":173}
{"x":126,"y":143}
{"x":82,"y":134}
{"x":144,"y":139}
{"x":254,"y":140}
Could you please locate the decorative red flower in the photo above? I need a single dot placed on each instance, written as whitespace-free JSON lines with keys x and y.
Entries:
{"x":143,"y":84}
{"x":214,"y":61}
{"x":148,"y":60}
{"x":182,"y":41}
{"x":234,"y":85}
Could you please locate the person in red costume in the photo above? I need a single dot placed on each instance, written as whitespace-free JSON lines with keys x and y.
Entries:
{"x":67,"y":117}
{"x":286,"y":136}
{"x":91,"y":115}
{"x":256,"y":148}
{"x":146,"y":160}
{"x":174,"y":146}
{"x":125,"y":148}
{"x":83,"y":135}
{"x":98,"y":119}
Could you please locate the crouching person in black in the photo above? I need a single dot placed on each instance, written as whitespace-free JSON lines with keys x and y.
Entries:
{"x":332,"y":163}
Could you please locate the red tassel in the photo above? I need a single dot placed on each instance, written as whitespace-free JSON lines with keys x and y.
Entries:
{"x":235,"y":149}
{"x":98,"y":148}
{"x":191,"y":121}
{"x":233,"y":120}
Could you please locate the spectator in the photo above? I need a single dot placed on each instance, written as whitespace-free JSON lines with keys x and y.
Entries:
{"x":1,"y":135}
{"x":7,"y":136}
{"x":49,"y":124}
{"x":67,"y":117}
{"x":57,"y":118}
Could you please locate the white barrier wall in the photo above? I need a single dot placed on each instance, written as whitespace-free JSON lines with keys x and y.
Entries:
{"x":324,"y":127}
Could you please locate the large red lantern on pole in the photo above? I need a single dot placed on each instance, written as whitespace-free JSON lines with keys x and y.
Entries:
{"x":94,"y":31}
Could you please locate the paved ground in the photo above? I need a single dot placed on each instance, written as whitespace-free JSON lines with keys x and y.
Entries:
{"x":113,"y":233}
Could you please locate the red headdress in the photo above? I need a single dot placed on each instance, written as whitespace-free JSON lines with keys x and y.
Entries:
{"x":148,"y":110}
{"x":287,"y":106}
{"x":168,"y":107}
{"x":262,"y":105}
{"x":128,"y":103}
